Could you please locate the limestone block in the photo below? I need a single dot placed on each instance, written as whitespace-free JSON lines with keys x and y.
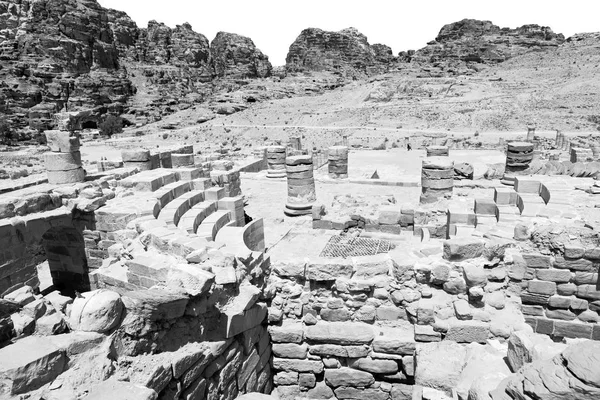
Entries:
{"x":96,"y":311}
{"x":348,"y":377}
{"x":462,"y":249}
{"x":486,"y":207}
{"x":468,"y":332}
{"x":343,"y":333}
{"x":233,"y":324}
{"x":291,"y":332}
{"x":316,"y":367}
{"x":119,"y":390}
{"x":290,"y":350}
{"x":69,"y":176}
{"x":182,"y":160}
{"x":30,"y":363}
{"x":542,"y":287}
{"x":135,"y":155}
{"x":333,"y":350}
{"x":439,"y":365}
{"x":374,"y":366}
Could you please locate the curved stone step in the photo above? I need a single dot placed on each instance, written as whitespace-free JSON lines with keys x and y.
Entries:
{"x":190,"y":221}
{"x":168,"y":193}
{"x":173,"y":211}
{"x":209,"y":228}
{"x":149,"y":181}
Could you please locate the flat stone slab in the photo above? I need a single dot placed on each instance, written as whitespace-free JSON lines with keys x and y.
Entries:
{"x":343,"y":333}
{"x":31,"y":363}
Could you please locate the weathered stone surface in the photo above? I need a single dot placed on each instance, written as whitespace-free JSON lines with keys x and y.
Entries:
{"x":288,"y":333}
{"x":290,"y":350}
{"x":96,"y":311}
{"x":119,"y":390}
{"x":374,"y":366}
{"x":316,"y":367}
{"x":347,"y":50}
{"x":30,"y":363}
{"x":462,"y":249}
{"x":468,"y":332}
{"x":439,"y":365}
{"x":348,"y":377}
{"x":350,"y":333}
{"x":237,"y":57}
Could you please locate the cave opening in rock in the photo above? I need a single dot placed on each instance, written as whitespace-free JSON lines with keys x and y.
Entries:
{"x":89,"y":125}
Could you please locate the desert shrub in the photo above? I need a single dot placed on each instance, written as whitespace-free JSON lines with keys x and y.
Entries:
{"x":165,"y":136}
{"x":6,"y":131}
{"x":111,"y":125}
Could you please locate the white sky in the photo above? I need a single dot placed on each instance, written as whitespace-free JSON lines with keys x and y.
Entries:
{"x":274,"y":24}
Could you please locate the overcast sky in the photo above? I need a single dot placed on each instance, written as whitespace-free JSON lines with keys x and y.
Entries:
{"x":274,"y":24}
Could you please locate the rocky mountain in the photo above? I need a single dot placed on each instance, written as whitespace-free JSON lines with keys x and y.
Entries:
{"x":347,"y":52}
{"x":470,"y":41}
{"x":70,"y":55}
{"x":58,"y":55}
{"x":237,"y":57}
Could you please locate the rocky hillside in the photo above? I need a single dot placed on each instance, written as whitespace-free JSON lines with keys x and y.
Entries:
{"x":347,"y":52}
{"x":58,"y":54}
{"x":69,"y":55}
{"x":466,"y":43}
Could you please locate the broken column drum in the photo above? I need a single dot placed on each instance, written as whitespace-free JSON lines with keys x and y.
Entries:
{"x":63,"y":163}
{"x":437,"y":179}
{"x":301,"y":185}
{"x":276,"y":162}
{"x":518,"y":156}
{"x":338,"y":162}
{"x":436,"y":151}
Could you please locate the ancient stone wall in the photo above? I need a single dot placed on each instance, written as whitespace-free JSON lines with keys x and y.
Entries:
{"x":560,"y":293}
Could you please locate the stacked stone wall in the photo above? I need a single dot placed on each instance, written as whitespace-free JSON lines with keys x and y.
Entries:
{"x":560,"y":294}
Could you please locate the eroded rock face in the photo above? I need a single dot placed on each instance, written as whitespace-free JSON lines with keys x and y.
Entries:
{"x":346,"y":51}
{"x":477,"y":41}
{"x":237,"y":57}
{"x":55,"y":55}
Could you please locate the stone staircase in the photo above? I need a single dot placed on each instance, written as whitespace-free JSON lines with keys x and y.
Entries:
{"x":529,"y":198}
{"x":177,"y":216}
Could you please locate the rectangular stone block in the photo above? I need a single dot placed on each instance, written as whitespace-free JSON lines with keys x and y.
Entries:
{"x":485,"y":207}
{"x":542,"y":287}
{"x":573,"y":329}
{"x":525,"y":185}
{"x":468,"y":332}
{"x":534,"y":260}
{"x":505,"y":196}
{"x":553,"y":275}
{"x":389,"y":215}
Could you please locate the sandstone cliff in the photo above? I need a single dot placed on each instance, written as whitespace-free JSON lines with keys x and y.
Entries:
{"x":57,"y":54}
{"x":237,"y":57}
{"x":474,"y":41}
{"x":70,"y":55}
{"x":346,"y":51}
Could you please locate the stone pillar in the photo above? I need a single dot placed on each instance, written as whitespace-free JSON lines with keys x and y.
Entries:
{"x":345,"y":141}
{"x":63,"y":163}
{"x":518,"y":156}
{"x":559,"y":140}
{"x":296,"y":143}
{"x":530,"y":133}
{"x":138,"y":158}
{"x":276,"y":162}
{"x":437,"y":179}
{"x":338,"y":162}
{"x":595,"y":151}
{"x":301,"y":186}
{"x":436,"y":151}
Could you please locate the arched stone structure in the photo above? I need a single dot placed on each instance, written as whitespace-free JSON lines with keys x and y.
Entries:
{"x":54,"y":235}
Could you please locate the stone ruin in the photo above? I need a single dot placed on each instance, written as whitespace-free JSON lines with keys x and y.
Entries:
{"x":159,"y":287}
